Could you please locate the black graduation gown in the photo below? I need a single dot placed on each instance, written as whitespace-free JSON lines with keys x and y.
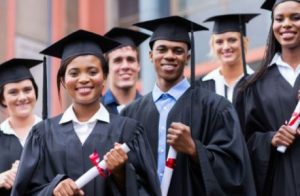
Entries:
{"x":53,"y":152}
{"x":263,"y":108}
{"x":10,"y":151}
{"x":223,"y":166}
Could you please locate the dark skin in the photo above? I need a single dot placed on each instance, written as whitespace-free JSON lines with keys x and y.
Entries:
{"x":87,"y":70}
{"x":175,"y":55}
{"x":285,"y":135}
{"x":115,"y":160}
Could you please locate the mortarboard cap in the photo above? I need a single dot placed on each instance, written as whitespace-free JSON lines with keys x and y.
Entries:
{"x":80,"y":42}
{"x":16,"y":69}
{"x":269,"y":4}
{"x":230,"y":22}
{"x":173,"y":28}
{"x":126,"y":37}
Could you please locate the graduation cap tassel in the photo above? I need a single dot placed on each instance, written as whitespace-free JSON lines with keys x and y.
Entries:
{"x":242,"y":44}
{"x":192,"y":58}
{"x":45,"y":98}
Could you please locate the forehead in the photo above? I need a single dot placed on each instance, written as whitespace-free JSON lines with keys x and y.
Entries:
{"x":123,"y":51}
{"x":226,"y":35}
{"x":26,"y":82}
{"x":84,"y":60}
{"x":287,"y":7}
{"x":168,"y":43}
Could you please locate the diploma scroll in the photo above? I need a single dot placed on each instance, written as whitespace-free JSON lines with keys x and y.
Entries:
{"x":293,"y":123}
{"x":93,"y":172}
{"x":170,"y":164}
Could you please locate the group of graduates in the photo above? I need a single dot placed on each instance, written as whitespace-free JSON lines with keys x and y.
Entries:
{"x":225,"y":127}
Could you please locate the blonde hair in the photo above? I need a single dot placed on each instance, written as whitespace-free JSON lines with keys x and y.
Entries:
{"x":212,"y":50}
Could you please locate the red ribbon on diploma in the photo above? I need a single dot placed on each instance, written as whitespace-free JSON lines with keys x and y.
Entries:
{"x":295,"y":118}
{"x":95,"y":159}
{"x":171,"y":163}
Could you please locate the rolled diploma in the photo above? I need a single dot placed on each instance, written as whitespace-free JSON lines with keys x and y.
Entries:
{"x":294,"y":123}
{"x":166,"y":179}
{"x":93,"y":172}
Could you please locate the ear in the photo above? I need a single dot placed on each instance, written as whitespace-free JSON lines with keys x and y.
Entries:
{"x":63,"y":83}
{"x":3,"y":103}
{"x":188,"y":58}
{"x":151,"y":56}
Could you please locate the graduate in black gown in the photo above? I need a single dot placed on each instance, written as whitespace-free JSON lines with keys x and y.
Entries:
{"x":227,"y":48}
{"x":212,"y":155}
{"x":57,"y":150}
{"x":124,"y":68}
{"x":269,"y":100}
{"x":18,"y":95}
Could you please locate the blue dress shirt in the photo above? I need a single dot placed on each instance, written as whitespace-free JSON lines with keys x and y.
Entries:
{"x":164,"y":102}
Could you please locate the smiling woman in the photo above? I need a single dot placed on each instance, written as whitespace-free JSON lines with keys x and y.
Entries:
{"x":57,"y":151}
{"x":268,"y":101}
{"x":18,"y":95}
{"x":228,"y":44}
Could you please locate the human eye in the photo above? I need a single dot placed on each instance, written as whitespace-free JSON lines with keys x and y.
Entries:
{"x":178,"y":50}
{"x":27,"y":89}
{"x":278,"y":18}
{"x":73,"y":72}
{"x":232,"y":40}
{"x":13,"y":92}
{"x":93,"y":71}
{"x":131,"y":59}
{"x":117,"y":60}
{"x":161,"y":49}
{"x":295,"y":17}
{"x":219,"y":41}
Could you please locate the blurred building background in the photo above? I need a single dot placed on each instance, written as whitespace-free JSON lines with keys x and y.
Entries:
{"x":31,"y":25}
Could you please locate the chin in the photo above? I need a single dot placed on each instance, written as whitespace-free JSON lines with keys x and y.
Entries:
{"x":126,"y":85}
{"x":23,"y":114}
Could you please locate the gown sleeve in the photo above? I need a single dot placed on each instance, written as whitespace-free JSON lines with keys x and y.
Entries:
{"x":257,"y":134}
{"x":141,"y":176}
{"x":222,"y":154}
{"x":32,"y":168}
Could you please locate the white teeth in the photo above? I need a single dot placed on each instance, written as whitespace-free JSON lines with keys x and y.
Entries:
{"x":168,"y":67}
{"x":287,"y":35}
{"x":83,"y":90}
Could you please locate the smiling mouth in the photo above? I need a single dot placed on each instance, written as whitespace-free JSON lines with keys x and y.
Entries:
{"x":168,"y":67}
{"x":227,"y":54}
{"x":84,"y":90}
{"x":287,"y":35}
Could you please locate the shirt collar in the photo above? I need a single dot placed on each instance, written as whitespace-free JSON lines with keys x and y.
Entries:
{"x":102,"y":115}
{"x":7,"y":129}
{"x":176,"y":91}
{"x":109,"y":98}
{"x":216,"y":75}
{"x":277,"y":60}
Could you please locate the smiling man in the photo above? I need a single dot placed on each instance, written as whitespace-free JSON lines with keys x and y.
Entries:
{"x":124,"y":68}
{"x":202,"y":127}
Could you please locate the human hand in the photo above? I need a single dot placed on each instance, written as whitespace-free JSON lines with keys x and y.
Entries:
{"x":115,"y":159}
{"x":285,"y":136}
{"x":67,"y":187}
{"x":180,"y":138}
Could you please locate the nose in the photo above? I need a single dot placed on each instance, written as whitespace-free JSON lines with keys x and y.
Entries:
{"x":169,"y":55}
{"x":22,"y":96}
{"x":125,"y":65}
{"x":83,"y":78}
{"x":226,"y":45}
{"x":286,"y":23}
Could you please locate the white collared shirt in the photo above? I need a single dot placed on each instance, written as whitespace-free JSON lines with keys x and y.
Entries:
{"x":288,"y":73}
{"x":7,"y":129}
{"x":221,"y":84}
{"x":84,"y":129}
